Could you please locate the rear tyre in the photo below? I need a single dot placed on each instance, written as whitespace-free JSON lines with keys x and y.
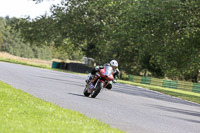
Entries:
{"x":98,"y":89}
{"x":85,"y":92}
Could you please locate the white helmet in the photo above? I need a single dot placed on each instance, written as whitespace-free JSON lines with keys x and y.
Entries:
{"x":114,"y":63}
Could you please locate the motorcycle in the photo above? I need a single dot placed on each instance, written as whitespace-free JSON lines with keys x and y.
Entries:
{"x":100,"y":81}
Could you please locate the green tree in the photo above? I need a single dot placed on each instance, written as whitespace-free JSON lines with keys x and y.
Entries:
{"x":159,"y":36}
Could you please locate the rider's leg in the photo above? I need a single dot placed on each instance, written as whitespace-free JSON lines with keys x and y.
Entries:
{"x":93,"y":72}
{"x":89,"y":77}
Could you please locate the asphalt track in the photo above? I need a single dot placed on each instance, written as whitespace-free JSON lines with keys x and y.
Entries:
{"x":128,"y":108}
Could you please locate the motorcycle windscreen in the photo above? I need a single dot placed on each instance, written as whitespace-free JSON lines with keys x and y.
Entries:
{"x":109,"y":72}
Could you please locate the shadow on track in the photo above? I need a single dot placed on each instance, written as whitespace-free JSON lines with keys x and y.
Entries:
{"x":77,"y":95}
{"x":81,"y":95}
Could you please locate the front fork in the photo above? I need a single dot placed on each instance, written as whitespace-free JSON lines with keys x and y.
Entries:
{"x":93,"y":87}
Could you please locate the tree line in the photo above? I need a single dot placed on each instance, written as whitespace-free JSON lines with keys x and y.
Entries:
{"x":160,"y":37}
{"x":12,"y":42}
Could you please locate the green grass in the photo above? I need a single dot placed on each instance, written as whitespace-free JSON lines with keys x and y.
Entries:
{"x":186,"y":95}
{"x":21,"y":112}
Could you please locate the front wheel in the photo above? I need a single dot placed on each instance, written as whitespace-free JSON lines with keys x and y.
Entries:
{"x":97,"y":90}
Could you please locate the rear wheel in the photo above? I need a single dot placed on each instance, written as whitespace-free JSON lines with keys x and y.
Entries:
{"x":85,"y":92}
{"x":97,"y":90}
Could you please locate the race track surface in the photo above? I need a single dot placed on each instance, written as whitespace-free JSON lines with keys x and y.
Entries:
{"x":128,"y":108}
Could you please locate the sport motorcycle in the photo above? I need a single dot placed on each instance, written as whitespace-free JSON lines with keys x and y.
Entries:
{"x":99,"y":82}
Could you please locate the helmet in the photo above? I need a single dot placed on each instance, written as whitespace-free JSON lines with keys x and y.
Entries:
{"x":114,"y":63}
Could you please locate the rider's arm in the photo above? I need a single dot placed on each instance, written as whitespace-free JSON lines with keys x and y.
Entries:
{"x":96,"y":69}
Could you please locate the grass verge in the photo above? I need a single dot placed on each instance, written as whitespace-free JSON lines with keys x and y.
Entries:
{"x":186,"y":95}
{"x":21,"y":112}
{"x":24,"y":63}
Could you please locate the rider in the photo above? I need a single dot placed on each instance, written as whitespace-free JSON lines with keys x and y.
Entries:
{"x":113,"y":64}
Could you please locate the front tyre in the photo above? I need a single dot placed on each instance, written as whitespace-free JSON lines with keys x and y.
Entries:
{"x":97,"y":90}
